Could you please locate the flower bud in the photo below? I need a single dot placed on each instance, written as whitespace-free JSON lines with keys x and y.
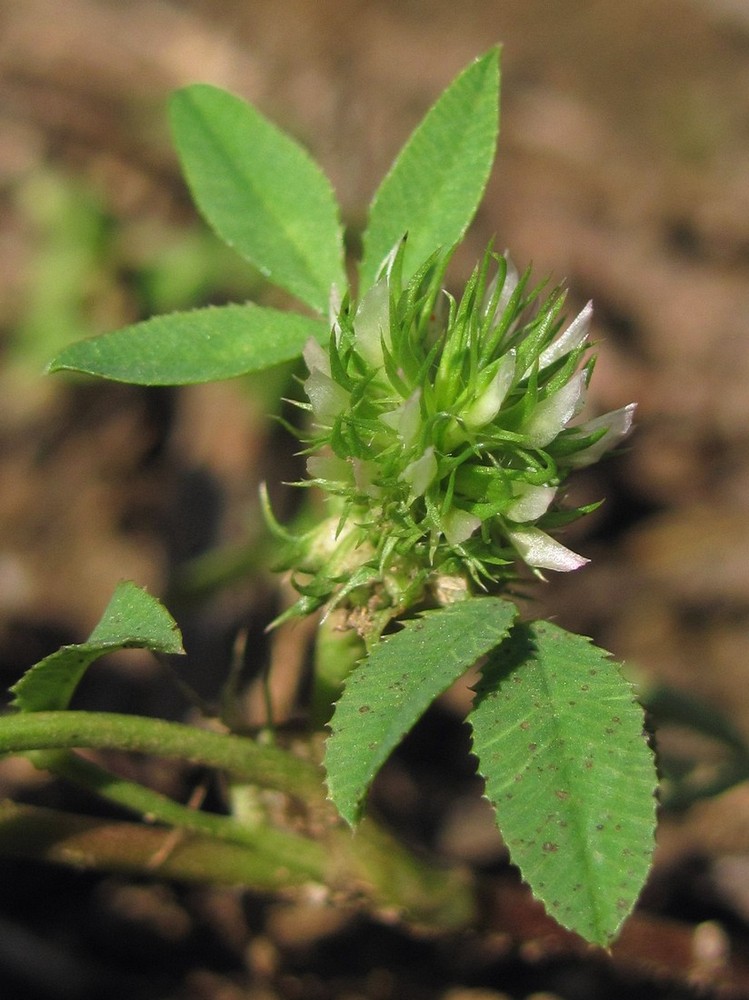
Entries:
{"x":372,"y":323}
{"x":551,"y":415}
{"x":420,"y":473}
{"x":544,"y":552}
{"x":485,"y":406}
{"x":612,"y":427}
{"x":571,"y":340}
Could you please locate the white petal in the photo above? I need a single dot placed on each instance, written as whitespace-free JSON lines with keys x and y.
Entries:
{"x":364,"y":473}
{"x":551,"y":415}
{"x":329,"y":467}
{"x":334,"y":303}
{"x":618,"y":424}
{"x":531,"y":502}
{"x":327,"y":397}
{"x":458,"y":525}
{"x":406,"y":418}
{"x":509,"y":286}
{"x":544,"y":552}
{"x":420,"y":473}
{"x":316,"y":357}
{"x":573,"y":337}
{"x":372,"y":323}
{"x":484,"y":409}
{"x":410,"y":418}
{"x":386,"y":267}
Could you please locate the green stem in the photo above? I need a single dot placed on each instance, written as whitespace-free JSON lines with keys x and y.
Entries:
{"x":679,"y":794}
{"x":40,"y":834}
{"x":242,"y":758}
{"x":402,"y":881}
{"x":152,"y":806}
{"x":212,"y":848}
{"x":337,"y":649}
{"x":208,"y":573}
{"x":369,"y":862}
{"x":668,"y":704}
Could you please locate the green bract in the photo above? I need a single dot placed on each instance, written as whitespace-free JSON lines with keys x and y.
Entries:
{"x":442,"y":431}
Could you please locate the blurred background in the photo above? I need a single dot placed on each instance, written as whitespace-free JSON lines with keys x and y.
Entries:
{"x":623,"y":170}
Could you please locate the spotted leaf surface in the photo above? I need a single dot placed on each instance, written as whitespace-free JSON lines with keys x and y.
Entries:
{"x":560,"y":743}
{"x":390,"y":691}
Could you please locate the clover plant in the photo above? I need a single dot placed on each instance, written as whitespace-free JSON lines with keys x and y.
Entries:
{"x":440,"y":428}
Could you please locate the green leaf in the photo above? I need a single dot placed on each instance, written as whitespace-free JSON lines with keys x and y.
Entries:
{"x":390,"y":690}
{"x":560,"y":742}
{"x":434,"y":187}
{"x":260,"y":191}
{"x":132,"y":620}
{"x":198,"y":346}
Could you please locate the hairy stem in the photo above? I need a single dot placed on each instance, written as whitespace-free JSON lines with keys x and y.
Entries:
{"x":150,"y":805}
{"x":337,"y":650}
{"x":209,"y":848}
{"x":40,"y":834}
{"x":366,"y":864}
{"x":243,"y":759}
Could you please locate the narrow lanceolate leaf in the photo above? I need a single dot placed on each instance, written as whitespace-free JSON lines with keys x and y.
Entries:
{"x":560,"y":742}
{"x":260,"y":191}
{"x":435,"y":185}
{"x":391,"y":690}
{"x":199,"y":346}
{"x":132,"y":620}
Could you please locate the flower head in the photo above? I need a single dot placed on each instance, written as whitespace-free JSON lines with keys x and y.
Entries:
{"x":441,"y":431}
